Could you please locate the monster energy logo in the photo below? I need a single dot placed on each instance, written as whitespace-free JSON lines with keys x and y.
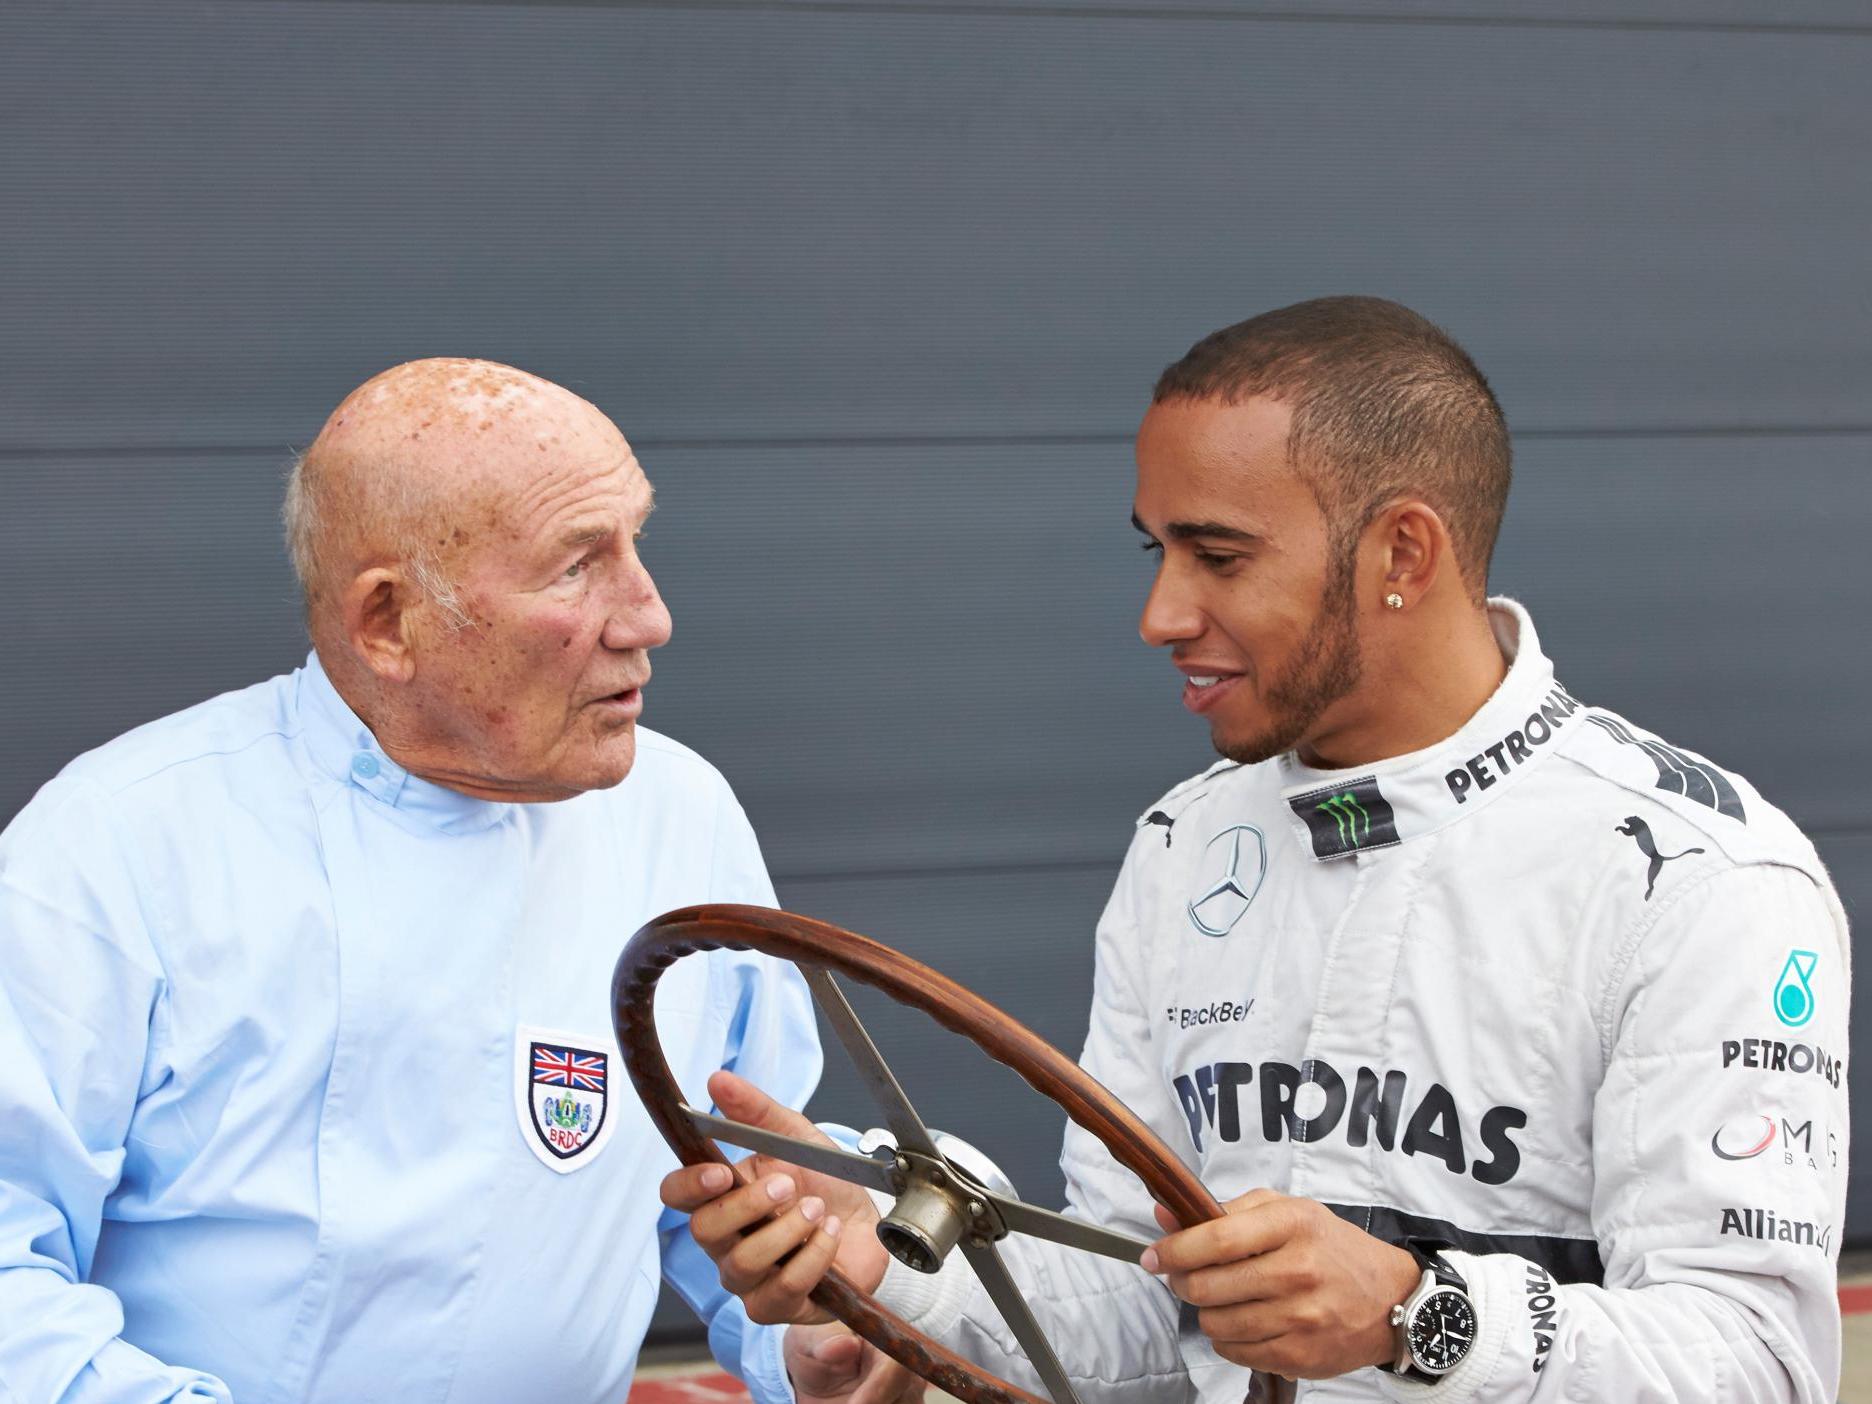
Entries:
{"x":1348,"y":815}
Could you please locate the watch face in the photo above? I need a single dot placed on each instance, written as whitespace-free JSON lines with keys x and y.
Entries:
{"x":1441,"y":1330}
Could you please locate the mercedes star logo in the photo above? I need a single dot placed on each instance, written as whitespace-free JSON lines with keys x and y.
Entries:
{"x":1230,"y":874}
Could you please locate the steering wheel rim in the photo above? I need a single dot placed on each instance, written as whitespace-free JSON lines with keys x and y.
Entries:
{"x":661,"y":942}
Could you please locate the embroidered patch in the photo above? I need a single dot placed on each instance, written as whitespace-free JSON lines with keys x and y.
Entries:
{"x":561,"y":1087}
{"x":1347,"y":818}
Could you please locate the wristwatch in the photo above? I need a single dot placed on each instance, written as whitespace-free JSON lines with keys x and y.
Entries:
{"x":1436,"y":1324}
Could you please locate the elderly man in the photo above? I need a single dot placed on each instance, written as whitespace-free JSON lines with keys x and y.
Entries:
{"x":1535,"y":1093}
{"x":306,"y":1078}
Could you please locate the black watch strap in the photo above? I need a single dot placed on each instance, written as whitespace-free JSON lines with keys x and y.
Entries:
{"x":1429,"y":1255}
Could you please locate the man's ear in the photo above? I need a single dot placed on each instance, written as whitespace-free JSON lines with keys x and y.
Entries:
{"x":1414,"y":550}
{"x":377,"y":624}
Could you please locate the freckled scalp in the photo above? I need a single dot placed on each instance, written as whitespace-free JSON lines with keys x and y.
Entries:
{"x":446,"y":384}
{"x":437,"y":451}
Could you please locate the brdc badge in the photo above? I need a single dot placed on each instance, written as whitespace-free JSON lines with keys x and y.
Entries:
{"x":561,"y":1087}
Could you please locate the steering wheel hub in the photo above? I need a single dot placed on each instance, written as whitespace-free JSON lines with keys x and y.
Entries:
{"x":936,"y":1207}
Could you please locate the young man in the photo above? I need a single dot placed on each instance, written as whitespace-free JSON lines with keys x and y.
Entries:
{"x":1531,"y":1085}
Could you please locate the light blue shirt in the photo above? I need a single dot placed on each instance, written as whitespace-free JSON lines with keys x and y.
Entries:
{"x":268,"y":1128}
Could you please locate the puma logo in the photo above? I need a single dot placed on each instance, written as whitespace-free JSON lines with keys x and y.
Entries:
{"x":1157,"y":816}
{"x":1637,"y":829}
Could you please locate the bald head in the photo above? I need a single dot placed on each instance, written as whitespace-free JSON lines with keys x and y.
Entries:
{"x":467,"y":534}
{"x":413,"y":462}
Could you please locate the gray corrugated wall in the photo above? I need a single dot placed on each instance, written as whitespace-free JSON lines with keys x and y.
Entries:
{"x":878,"y":290}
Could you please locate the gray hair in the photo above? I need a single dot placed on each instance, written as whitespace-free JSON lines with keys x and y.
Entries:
{"x":306,"y":517}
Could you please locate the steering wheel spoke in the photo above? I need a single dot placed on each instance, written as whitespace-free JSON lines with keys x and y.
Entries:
{"x":1006,"y":1294}
{"x":873,"y":1071}
{"x":808,"y":1155}
{"x":1035,"y":1222}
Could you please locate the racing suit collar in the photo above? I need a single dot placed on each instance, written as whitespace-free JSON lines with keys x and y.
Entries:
{"x":1341,"y":812}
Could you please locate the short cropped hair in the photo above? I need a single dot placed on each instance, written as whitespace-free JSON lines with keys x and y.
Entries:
{"x":312,"y":522}
{"x":1385,"y":405}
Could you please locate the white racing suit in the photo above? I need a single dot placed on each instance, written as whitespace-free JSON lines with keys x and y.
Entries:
{"x":1553,"y":991}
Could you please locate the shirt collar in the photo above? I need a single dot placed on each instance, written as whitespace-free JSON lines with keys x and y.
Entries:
{"x":1377,"y":806}
{"x":342,"y":747}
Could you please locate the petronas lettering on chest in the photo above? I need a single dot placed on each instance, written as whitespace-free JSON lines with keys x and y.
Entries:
{"x":1376,"y":1108}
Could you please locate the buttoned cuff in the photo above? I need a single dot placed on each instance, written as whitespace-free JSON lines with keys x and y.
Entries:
{"x":763,"y":1365}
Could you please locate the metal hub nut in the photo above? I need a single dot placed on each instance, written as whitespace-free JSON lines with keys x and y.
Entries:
{"x":923,"y":1226}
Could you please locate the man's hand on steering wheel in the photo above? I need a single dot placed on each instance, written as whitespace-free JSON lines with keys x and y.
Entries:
{"x":1287,"y":1286}
{"x":801,"y":1222}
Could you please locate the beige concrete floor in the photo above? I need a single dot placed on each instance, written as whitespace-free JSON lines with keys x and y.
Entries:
{"x":1856,"y":1374}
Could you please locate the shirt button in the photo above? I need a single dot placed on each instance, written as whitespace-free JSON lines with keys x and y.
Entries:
{"x":365,"y":767}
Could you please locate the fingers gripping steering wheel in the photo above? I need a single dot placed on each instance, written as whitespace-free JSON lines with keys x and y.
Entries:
{"x":938,"y":1205}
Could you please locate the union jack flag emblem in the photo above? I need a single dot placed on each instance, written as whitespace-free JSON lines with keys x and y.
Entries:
{"x":567,"y":1067}
{"x":561,"y":1083}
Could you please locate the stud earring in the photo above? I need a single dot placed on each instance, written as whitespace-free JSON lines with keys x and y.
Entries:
{"x":1394,"y":600}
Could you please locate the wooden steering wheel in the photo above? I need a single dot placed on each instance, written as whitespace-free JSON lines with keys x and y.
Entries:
{"x":939,"y":1205}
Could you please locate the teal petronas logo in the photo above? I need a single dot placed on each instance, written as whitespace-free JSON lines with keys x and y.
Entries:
{"x":1793,"y":992}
